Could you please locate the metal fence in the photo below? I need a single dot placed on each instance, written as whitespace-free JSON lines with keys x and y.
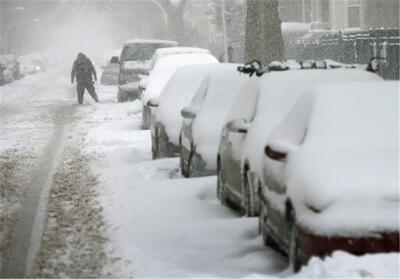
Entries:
{"x":354,"y":47}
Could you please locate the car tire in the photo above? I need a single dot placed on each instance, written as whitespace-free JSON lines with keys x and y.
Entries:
{"x":263,"y":230}
{"x":156,"y":148}
{"x":220,"y":187}
{"x":247,"y":199}
{"x":181,"y":160}
{"x":190,"y":169}
{"x":293,"y":254}
{"x":121,"y":97}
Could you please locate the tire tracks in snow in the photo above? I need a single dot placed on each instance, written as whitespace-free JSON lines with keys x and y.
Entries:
{"x":73,"y":242}
{"x":28,"y":223}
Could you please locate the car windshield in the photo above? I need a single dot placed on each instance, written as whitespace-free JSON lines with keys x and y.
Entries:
{"x":140,"y":52}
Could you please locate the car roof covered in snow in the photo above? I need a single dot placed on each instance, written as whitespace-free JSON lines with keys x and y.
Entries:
{"x":167,"y":66}
{"x":177,"y":94}
{"x":179,"y":50}
{"x":167,"y":51}
{"x":149,"y":41}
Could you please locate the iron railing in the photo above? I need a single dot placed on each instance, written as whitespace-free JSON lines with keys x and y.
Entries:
{"x":354,"y":47}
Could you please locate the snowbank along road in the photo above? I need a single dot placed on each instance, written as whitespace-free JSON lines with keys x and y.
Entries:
{"x":80,"y":196}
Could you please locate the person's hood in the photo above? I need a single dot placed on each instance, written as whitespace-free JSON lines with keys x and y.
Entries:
{"x":81,"y":57}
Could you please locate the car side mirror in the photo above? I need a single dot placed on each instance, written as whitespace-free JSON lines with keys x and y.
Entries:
{"x":278,"y":150}
{"x":114,"y":60}
{"x":153,"y":102}
{"x":238,"y":126}
{"x":188,"y":112}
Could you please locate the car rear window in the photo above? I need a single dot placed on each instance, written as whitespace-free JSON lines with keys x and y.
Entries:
{"x":140,"y":52}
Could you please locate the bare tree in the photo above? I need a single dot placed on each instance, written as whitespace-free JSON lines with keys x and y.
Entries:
{"x":174,"y":11}
{"x":264,"y":39}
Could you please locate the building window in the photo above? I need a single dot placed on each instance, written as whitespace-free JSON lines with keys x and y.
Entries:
{"x":325,"y":11}
{"x":353,"y":13}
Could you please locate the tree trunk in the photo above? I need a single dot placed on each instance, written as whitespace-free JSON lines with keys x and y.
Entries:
{"x":175,"y":22}
{"x":264,"y":39}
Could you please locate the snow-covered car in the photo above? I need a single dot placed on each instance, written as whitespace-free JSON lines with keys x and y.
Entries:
{"x":163,"y":52}
{"x":331,"y":173}
{"x":32,"y":63}
{"x":162,"y":72}
{"x":5,"y":75}
{"x":10,"y":64}
{"x":204,"y":118}
{"x":167,"y":122}
{"x":258,"y":109}
{"x":134,"y":63}
{"x":110,"y":73}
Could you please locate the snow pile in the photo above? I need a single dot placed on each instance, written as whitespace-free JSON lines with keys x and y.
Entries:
{"x":167,"y":66}
{"x":348,"y":161}
{"x":342,"y":264}
{"x":222,"y":87}
{"x":177,"y":94}
{"x":279,"y":91}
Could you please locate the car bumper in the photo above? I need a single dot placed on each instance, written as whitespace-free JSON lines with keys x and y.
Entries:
{"x":315,"y":245}
{"x":129,"y":90}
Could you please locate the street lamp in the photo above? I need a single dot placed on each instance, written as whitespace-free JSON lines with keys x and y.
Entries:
{"x":14,"y":24}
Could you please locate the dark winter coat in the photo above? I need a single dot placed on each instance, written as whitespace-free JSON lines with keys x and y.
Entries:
{"x":83,"y":70}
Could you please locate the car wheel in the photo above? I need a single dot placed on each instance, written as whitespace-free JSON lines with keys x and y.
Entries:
{"x":181,"y":160}
{"x":263,"y":229}
{"x":293,"y":243}
{"x":248,"y":203}
{"x":220,"y":189}
{"x":154,"y":155}
{"x":155,"y":149}
{"x":190,"y":169}
{"x":122,"y":98}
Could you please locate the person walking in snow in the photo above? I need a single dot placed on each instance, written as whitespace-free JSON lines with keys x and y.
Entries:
{"x":83,"y":70}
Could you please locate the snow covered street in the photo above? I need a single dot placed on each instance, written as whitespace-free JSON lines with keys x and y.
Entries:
{"x":82,"y":197}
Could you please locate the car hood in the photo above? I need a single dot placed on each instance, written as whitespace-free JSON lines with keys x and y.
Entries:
{"x":354,"y":190}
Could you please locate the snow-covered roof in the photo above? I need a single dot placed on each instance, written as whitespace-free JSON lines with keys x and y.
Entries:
{"x":167,"y":66}
{"x":149,"y":41}
{"x":179,"y":50}
{"x":348,"y":159}
{"x":177,"y":94}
